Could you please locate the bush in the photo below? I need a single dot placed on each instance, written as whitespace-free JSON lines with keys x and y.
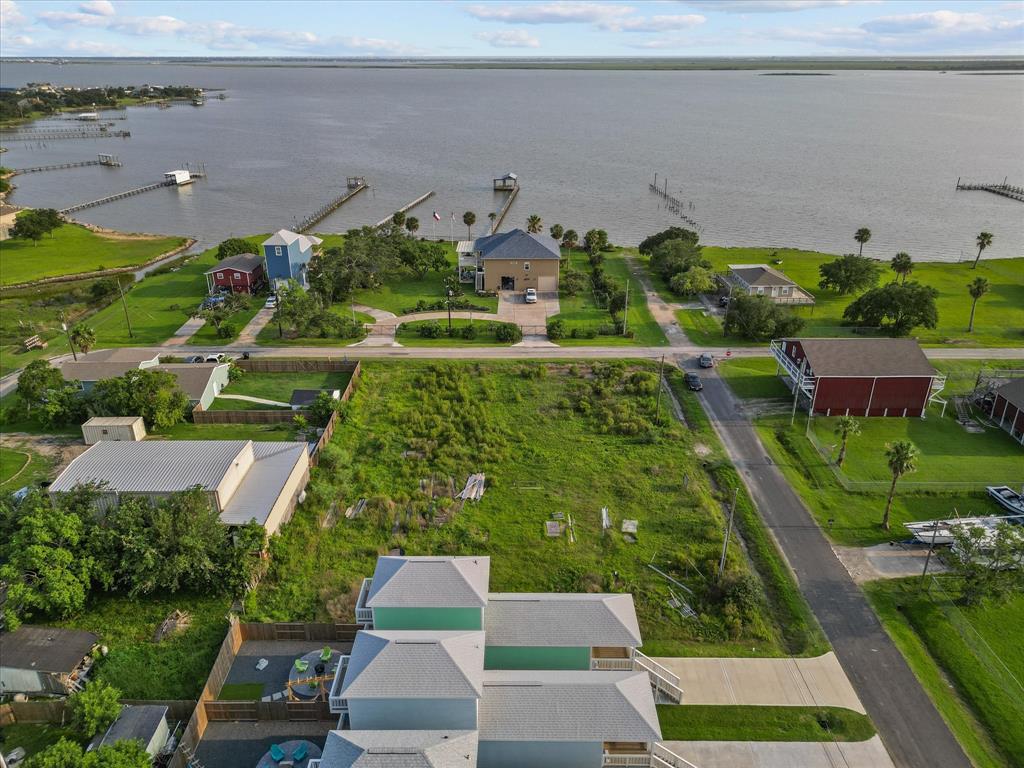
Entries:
{"x":508,"y":333}
{"x":227,"y":331}
{"x":468,"y":331}
{"x":573,"y":282}
{"x":430,"y":330}
{"x":556,"y":329}
{"x":94,"y":708}
{"x":583,"y":333}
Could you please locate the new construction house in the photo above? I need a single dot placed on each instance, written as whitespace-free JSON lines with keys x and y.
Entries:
{"x":445,"y":673}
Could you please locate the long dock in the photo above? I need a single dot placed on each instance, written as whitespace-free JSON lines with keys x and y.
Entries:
{"x":126,"y":193}
{"x":1004,"y":189}
{"x":504,"y":208}
{"x":404,"y":208}
{"x":108,"y":160}
{"x":63,"y":134}
{"x":675,"y":205}
{"x":322,"y":213}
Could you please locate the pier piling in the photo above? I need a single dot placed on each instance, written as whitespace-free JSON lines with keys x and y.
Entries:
{"x":356,"y":184}
{"x":404,"y":208}
{"x":109,"y":161}
{"x":1005,"y":190}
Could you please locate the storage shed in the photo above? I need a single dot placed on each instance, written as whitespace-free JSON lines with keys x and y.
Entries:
{"x":98,"y":428}
{"x":146,"y":723}
{"x":1008,"y":409}
{"x":44,"y":660}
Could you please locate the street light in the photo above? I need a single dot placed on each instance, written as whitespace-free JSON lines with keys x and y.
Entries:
{"x":450,"y":294}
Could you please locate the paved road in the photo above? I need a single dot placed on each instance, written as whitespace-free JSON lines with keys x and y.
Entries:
{"x":782,"y":754}
{"x":911,"y":728}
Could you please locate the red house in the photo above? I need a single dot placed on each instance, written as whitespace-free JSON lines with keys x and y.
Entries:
{"x":243,"y":273}
{"x":859,"y":377}
{"x":1008,"y":409}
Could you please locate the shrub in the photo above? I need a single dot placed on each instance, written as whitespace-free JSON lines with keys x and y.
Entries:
{"x":227,"y":331}
{"x":468,"y":331}
{"x":556,"y":329}
{"x":573,"y":282}
{"x":508,"y":333}
{"x":94,"y":708}
{"x":430,"y":330}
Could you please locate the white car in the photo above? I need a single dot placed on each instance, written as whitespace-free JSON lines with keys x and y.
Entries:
{"x":271,"y":302}
{"x":531,"y":296}
{"x":219,"y":357}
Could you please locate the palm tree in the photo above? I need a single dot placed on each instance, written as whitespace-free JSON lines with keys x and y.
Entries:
{"x":983,"y":241}
{"x":469,"y":219}
{"x":412,"y":224}
{"x":556,"y":231}
{"x":978,"y":287}
{"x":398,"y":219}
{"x":84,"y":337}
{"x":493,"y":217}
{"x":846,"y":427}
{"x":533,"y":223}
{"x":902,"y":458}
{"x":862,"y":235}
{"x":570,"y":238}
{"x":902,"y":265}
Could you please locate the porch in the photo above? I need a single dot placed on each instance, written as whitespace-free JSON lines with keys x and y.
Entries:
{"x":625,"y":754}
{"x":664,"y":682}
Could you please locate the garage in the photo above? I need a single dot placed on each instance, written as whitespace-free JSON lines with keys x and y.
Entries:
{"x":547,"y":284}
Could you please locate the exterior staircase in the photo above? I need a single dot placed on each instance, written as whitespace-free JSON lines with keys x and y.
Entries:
{"x":664,"y":682}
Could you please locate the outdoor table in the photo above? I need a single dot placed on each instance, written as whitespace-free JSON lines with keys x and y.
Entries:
{"x":303,"y":691}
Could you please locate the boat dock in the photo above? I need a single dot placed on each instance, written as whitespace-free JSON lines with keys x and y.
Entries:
{"x":110,"y":161}
{"x":1004,"y":189}
{"x":674,"y":204}
{"x":509,"y":183}
{"x":355,"y":184}
{"x":404,"y":208}
{"x":169,"y":181}
{"x":62,"y":133}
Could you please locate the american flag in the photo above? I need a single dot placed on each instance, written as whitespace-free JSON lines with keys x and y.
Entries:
{"x":437,"y":216}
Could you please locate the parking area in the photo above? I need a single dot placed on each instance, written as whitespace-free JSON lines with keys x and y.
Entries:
{"x":512,"y":308}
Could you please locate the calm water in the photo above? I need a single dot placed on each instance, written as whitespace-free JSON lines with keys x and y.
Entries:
{"x":782,"y":161}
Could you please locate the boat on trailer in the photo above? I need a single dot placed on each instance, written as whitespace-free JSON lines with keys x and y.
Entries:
{"x":1008,"y":499}
{"x":940,"y":532}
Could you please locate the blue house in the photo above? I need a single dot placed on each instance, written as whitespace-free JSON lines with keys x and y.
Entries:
{"x":287,"y":255}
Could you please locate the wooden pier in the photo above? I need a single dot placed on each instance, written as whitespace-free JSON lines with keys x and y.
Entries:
{"x":110,"y":161}
{"x":127,"y":193}
{"x":355,"y":186}
{"x":62,"y":133}
{"x":674,"y":204}
{"x":1004,"y":189}
{"x":404,"y":208}
{"x":508,"y":183}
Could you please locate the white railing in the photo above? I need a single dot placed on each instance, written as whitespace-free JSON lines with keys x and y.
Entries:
{"x":314,"y":763}
{"x":620,"y":665}
{"x":805,"y":380}
{"x":663,"y":757}
{"x":364,"y":615}
{"x":337,"y":703}
{"x":612,"y":760}
{"x":663,"y":680}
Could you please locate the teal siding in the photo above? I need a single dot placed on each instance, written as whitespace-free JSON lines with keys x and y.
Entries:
{"x":519,"y":657}
{"x":428,"y":618}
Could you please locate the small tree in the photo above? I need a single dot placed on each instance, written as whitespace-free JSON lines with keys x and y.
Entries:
{"x":849,"y":274}
{"x":95,"y":707}
{"x":990,"y":563}
{"x":595,"y":240}
{"x":83,"y":337}
{"x":846,"y":427}
{"x":232,"y":247}
{"x":35,"y":383}
{"x":692,"y":281}
{"x":862,"y":236}
{"x":978,"y":287}
{"x":901,"y":457}
{"x":556,"y":231}
{"x":27,"y":228}
{"x":983,"y":241}
{"x":412,"y":224}
{"x":323,"y":407}
{"x":759,"y":319}
{"x":398,"y":219}
{"x":534,"y":223}
{"x":902,"y":265}
{"x":570,"y":239}
{"x":493,"y":217}
{"x":300,"y":423}
{"x":469,"y":219}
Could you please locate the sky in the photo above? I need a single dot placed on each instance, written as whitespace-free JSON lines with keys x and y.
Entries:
{"x":454,"y":28}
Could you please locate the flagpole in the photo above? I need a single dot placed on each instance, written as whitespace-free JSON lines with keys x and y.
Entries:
{"x":452,"y":227}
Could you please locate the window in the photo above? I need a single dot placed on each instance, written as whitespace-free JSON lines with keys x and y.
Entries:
{"x":104,"y":432}
{"x":760,"y":290}
{"x":237,"y":276}
{"x":277,"y":250}
{"x":220,"y":275}
{"x":526,"y":266}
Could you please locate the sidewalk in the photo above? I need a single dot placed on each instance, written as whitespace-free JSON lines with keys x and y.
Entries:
{"x":783,"y":754}
{"x":792,"y":682}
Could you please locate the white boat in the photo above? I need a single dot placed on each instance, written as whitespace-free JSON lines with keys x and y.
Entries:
{"x":940,"y":532}
{"x":1007,"y":498}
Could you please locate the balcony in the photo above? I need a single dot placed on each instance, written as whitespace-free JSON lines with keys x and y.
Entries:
{"x":337,"y":704}
{"x":799,"y":378}
{"x":613,"y":665}
{"x":628,"y":756}
{"x":364,"y":615}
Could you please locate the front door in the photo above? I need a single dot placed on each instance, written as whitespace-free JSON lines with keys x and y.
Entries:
{"x":508,"y":283}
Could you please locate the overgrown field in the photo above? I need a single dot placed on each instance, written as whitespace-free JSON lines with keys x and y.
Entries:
{"x":553,"y":439}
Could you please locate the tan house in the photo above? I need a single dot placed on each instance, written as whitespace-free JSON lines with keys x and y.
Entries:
{"x":130,"y":428}
{"x":510,"y":261}
{"x":762,"y":280}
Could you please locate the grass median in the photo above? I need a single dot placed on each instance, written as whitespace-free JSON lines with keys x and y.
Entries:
{"x":735,"y":722}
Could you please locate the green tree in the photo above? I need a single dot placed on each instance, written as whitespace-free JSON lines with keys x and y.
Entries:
{"x":595,"y":241}
{"x":36,"y":382}
{"x":493,"y":217}
{"x":534,"y":223}
{"x":153,"y":395}
{"x":294,"y":306}
{"x":469,"y":219}
{"x":94,"y":708}
{"x":902,"y":265}
{"x":572,"y":282}
{"x":233,"y":246}
{"x":692,"y":281}
{"x":983,"y":241}
{"x":846,"y":427}
{"x":301,"y":423}
{"x":759,"y":319}
{"x":219,"y":313}
{"x":83,"y":337}
{"x":990,"y":563}
{"x":978,"y":287}
{"x":901,"y":457}
{"x":67,"y":754}
{"x":670,"y":257}
{"x":27,"y":228}
{"x":862,"y":236}
{"x":323,"y":407}
{"x":894,"y":308}
{"x":556,"y":231}
{"x":242,"y":558}
{"x":412,"y":224}
{"x":570,"y":239}
{"x":398,"y":219}
{"x":849,"y":274}
{"x":648,"y":245}
{"x":64,"y":754}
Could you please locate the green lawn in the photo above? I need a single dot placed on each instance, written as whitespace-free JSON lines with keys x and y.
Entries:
{"x":72,"y":249}
{"x":408,"y":334}
{"x":727,"y":722}
{"x":175,"y":668}
{"x":962,"y":375}
{"x":258,"y":432}
{"x":582,"y":311}
{"x":207,"y":334}
{"x":34,"y":737}
{"x":12,"y":462}
{"x":279,"y":386}
{"x":972,"y":674}
{"x":271,"y":334}
{"x":999,"y":321}
{"x":241,"y":692}
{"x":753,"y":377}
{"x":23,"y":467}
{"x":514,"y":421}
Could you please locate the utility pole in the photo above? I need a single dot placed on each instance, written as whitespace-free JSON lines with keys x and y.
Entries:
{"x":124,"y":304}
{"x":728,"y":534}
{"x":67,"y":331}
{"x":661,"y":369}
{"x":924,"y":573}
{"x":625,"y":310}
{"x":796,"y":390}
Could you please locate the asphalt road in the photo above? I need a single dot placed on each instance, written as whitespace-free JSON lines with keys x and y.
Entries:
{"x":910,"y":726}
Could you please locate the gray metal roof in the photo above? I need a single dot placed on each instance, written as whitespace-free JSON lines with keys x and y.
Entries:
{"x":1013,"y":392}
{"x":552,"y":619}
{"x":112,"y":421}
{"x":45,"y":649}
{"x":387,"y":664}
{"x":135,"y":722}
{"x":193,"y":378}
{"x":400,"y":749}
{"x":517,"y":244}
{"x":759,"y":274}
{"x":430,"y":582}
{"x":240,"y":262}
{"x":263,"y":483}
{"x":527,"y":705}
{"x":866,"y":357}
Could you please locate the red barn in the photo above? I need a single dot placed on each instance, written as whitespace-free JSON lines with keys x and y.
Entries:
{"x":859,"y":377}
{"x":243,"y":273}
{"x":1008,"y":409}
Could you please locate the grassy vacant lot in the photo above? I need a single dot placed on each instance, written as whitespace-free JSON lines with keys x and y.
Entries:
{"x":279,"y":386}
{"x":514,"y":422}
{"x":970,"y":664}
{"x":753,"y":377}
{"x":724,"y":722}
{"x":581,"y":311}
{"x":33,"y":737}
{"x":408,"y":334}
{"x":72,"y":249}
{"x":706,"y":329}
{"x":271,"y":336}
{"x":175,"y":668}
{"x":258,"y":432}
{"x":999,"y":321}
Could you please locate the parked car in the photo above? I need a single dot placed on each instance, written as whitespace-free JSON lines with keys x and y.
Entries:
{"x":218,"y":357}
{"x":531,"y":295}
{"x":707,"y":361}
{"x":271,"y":301}
{"x":15,"y":757}
{"x":211,"y":301}
{"x":723,"y":301}
{"x":693,"y":382}
{"x":194,"y":359}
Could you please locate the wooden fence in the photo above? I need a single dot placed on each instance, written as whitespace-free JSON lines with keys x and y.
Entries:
{"x":301,"y":711}
{"x":277,"y":416}
{"x":313,"y":632}
{"x":56,"y":710}
{"x":298,"y":365}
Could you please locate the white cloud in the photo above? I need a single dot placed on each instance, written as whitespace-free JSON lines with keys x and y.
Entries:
{"x":10,"y":15}
{"x":509,"y":38}
{"x":772,"y":6}
{"x":561,"y":12}
{"x":98,"y":7}
{"x":653,"y":23}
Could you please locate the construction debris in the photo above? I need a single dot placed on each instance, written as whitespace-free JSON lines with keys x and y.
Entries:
{"x":355,"y":510}
{"x":176,"y":621}
{"x":572,"y":531}
{"x":606,"y":521}
{"x":474,"y":489}
{"x":629,"y":526}
{"x":553,"y":528}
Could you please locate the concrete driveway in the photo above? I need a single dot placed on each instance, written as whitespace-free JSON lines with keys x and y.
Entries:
{"x":512,"y":308}
{"x":783,"y":754}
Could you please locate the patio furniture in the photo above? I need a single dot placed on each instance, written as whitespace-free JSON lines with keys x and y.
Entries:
{"x":301,"y":665}
{"x":326,"y":653}
{"x":262,"y":664}
{"x":319,"y":669}
{"x":276,"y":753}
{"x":301,"y":752}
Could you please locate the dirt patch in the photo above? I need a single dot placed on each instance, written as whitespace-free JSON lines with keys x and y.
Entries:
{"x":59,"y":449}
{"x":701,"y":450}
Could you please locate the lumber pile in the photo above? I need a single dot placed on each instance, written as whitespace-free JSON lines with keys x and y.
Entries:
{"x":474,"y":489}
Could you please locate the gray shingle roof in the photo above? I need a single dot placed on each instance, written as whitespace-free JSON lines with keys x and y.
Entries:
{"x":263,"y":483}
{"x":1013,"y":392}
{"x":434,"y":582}
{"x":415,"y":664}
{"x":865,"y":357}
{"x":106,"y":363}
{"x":525,"y":705}
{"x":759,"y":274}
{"x":519,"y":245}
{"x":134,"y":722}
{"x":193,"y":378}
{"x":400,"y":749}
{"x":45,"y":649}
{"x":240,"y":262}
{"x":551,"y":619}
